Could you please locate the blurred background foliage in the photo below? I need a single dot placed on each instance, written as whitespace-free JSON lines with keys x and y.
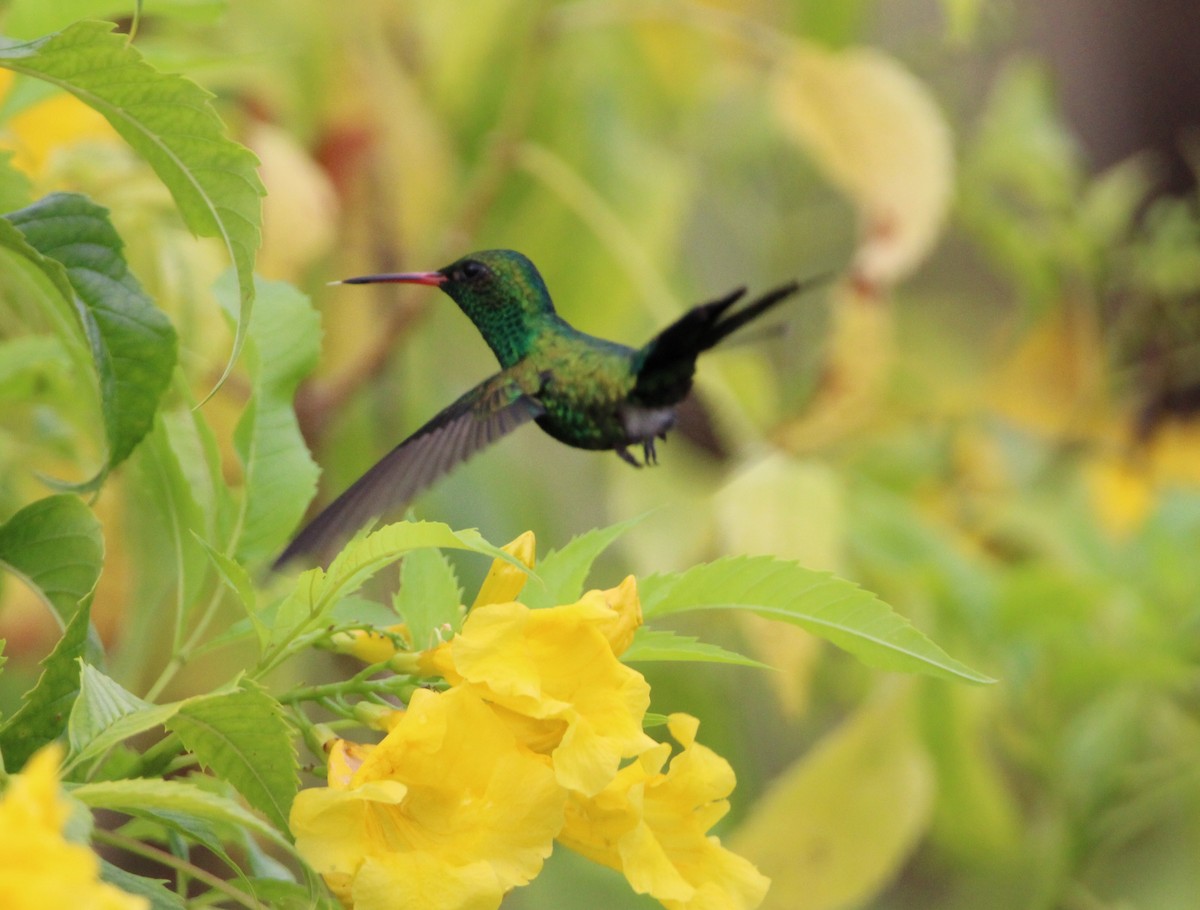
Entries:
{"x":988,"y":420}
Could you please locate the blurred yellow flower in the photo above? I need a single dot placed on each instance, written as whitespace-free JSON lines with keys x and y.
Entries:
{"x":554,"y":676}
{"x":38,"y":868}
{"x":448,"y":811}
{"x":653,"y":827}
{"x":35,"y":133}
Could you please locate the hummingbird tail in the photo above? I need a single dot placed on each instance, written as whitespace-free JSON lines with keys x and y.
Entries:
{"x":668,"y":361}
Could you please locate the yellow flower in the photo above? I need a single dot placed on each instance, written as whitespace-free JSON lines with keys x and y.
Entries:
{"x":504,"y":581}
{"x":626,"y":615}
{"x":553,"y":675}
{"x":38,"y":868}
{"x":371,"y":646}
{"x":653,"y":827}
{"x":449,"y":810}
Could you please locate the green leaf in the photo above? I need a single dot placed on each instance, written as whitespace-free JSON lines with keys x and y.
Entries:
{"x":14,"y":240}
{"x":279,"y":894}
{"x":125,"y":726}
{"x":170,"y":121}
{"x":165,"y":825}
{"x":357,"y":610}
{"x":242,"y":737}
{"x":133,"y":343}
{"x":55,"y":545}
{"x":44,"y":709}
{"x":663,"y":644}
{"x":15,"y":187}
{"x":564,"y":572}
{"x":186,"y":502}
{"x":316,"y":591}
{"x":101,"y":703}
{"x":196,"y":465}
{"x":284,"y":338}
{"x":237,"y":579}
{"x":155,"y":890}
{"x":156,"y":798}
{"x":429,"y":597}
{"x":829,"y":607}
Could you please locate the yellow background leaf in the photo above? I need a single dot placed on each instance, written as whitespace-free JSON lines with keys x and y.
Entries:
{"x":839,"y":823}
{"x":875,"y":130}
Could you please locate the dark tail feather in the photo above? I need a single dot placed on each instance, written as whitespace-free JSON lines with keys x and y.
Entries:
{"x":667,"y":361}
{"x":756,"y":308}
{"x":687,"y":333}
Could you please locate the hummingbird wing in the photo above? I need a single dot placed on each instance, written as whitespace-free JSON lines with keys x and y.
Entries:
{"x":490,"y":410}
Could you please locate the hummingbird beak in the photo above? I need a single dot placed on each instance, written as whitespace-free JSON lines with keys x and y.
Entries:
{"x":434,"y":278}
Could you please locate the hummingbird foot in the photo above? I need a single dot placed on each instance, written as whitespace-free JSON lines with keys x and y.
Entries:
{"x":649,"y":453}
{"x":643,"y":425}
{"x":626,"y":457}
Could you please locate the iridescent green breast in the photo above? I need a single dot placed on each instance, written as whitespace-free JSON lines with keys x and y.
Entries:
{"x":586,"y":383}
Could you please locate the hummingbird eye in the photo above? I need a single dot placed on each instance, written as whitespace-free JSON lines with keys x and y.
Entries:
{"x":472,"y":270}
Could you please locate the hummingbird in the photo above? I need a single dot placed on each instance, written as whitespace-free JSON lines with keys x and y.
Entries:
{"x":585,"y":391}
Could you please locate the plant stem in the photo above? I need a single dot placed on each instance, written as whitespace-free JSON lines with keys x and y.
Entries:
{"x":138,"y":848}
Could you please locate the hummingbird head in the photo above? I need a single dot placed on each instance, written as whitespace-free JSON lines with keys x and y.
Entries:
{"x":501,"y":291}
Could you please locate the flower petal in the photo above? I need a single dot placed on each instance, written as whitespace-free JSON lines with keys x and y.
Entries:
{"x":504,"y":581}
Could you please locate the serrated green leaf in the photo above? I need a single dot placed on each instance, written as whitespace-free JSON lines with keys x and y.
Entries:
{"x":243,"y":738}
{"x":122,"y":728}
{"x":150,"y":798}
{"x":56,"y":546}
{"x":829,"y":607}
{"x":101,"y":703}
{"x":170,"y":121}
{"x":562,"y":573}
{"x":133,"y":343}
{"x":317,"y":590}
{"x":44,"y":709}
{"x":663,"y":644}
{"x":284,"y":338}
{"x":154,"y":890}
{"x":429,"y":596}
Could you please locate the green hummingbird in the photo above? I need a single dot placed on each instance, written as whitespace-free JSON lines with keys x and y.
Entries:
{"x":585,"y":391}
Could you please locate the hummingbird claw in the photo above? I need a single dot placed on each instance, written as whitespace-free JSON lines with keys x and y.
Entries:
{"x":626,"y":457}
